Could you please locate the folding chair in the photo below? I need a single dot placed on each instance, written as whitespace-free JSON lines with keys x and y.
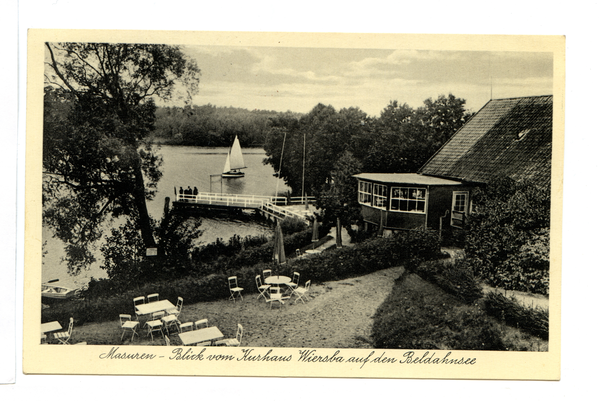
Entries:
{"x":170,"y":321}
{"x":234,"y":289}
{"x":295,"y":280}
{"x":302,"y":291}
{"x":201,"y":324}
{"x":155,"y":324}
{"x":177,"y":310}
{"x":275,"y":296}
{"x":266,"y":274}
{"x":128,"y":325}
{"x":138,"y":301}
{"x":188,"y":326}
{"x":233,"y":342}
{"x":152,"y":297}
{"x":262,"y":288}
{"x":65,"y":336}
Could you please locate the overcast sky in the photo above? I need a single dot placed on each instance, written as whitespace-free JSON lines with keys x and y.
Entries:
{"x":297,"y":79}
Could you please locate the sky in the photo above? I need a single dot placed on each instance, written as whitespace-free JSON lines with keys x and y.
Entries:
{"x":297,"y":79}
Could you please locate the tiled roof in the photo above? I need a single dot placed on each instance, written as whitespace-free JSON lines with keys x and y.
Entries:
{"x":507,"y":137}
{"x":405,"y":178}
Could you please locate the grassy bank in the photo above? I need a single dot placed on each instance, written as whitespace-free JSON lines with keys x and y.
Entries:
{"x":439,"y":306}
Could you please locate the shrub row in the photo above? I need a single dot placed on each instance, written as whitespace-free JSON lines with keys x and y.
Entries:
{"x":367,"y":257}
{"x":508,"y":310}
{"x":455,"y":278}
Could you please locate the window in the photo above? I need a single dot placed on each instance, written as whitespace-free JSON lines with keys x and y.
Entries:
{"x":406,"y":199}
{"x":365,"y":195}
{"x":380,"y":196}
{"x":460,"y":205}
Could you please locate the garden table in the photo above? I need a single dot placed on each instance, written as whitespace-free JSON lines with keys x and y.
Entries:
{"x":278,"y":281}
{"x":152,"y":307}
{"x":48,"y":328}
{"x":201,"y":335}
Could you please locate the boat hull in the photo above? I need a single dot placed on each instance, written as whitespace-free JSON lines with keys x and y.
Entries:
{"x":52,"y":294}
{"x":233,"y":174}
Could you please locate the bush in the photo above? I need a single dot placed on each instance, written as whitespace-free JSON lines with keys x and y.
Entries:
{"x":508,"y":310}
{"x":291,"y":225}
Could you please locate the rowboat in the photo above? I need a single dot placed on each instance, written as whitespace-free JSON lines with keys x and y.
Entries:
{"x":51,"y":292}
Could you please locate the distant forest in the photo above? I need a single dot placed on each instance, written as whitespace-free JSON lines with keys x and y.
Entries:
{"x":209,"y":125}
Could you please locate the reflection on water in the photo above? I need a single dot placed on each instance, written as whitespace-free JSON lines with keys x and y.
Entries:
{"x":185,"y":166}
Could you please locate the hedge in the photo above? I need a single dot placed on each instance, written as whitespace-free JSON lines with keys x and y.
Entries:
{"x":364,"y":258}
{"x":508,"y":310}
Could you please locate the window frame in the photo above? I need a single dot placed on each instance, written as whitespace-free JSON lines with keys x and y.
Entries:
{"x":368,"y":195}
{"x":423,"y":200}
{"x":383,"y":196}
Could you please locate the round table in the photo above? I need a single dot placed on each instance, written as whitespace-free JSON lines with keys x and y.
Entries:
{"x":278,"y":281}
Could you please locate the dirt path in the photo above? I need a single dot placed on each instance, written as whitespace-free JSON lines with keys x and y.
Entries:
{"x":338,"y":314}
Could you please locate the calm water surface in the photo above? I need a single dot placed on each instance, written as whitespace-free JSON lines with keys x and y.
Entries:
{"x":186,"y":166}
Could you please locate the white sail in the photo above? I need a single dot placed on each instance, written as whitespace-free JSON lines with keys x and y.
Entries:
{"x":227,"y":165}
{"x":235,"y":157}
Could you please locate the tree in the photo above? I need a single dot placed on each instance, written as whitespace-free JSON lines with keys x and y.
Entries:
{"x":339,"y":198}
{"x":405,"y":138}
{"x":314,"y":143}
{"x":99,"y":109}
{"x":508,"y":235}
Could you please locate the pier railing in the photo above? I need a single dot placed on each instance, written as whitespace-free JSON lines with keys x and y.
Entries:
{"x":281,"y":212}
{"x":249,"y":201}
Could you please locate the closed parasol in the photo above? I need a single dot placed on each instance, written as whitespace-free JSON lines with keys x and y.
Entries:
{"x":315,"y":232}
{"x":278,"y":249}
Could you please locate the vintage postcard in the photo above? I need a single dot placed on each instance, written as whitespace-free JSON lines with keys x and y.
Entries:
{"x":294,"y":204}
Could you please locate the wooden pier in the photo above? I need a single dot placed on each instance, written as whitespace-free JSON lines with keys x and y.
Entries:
{"x":272,"y":207}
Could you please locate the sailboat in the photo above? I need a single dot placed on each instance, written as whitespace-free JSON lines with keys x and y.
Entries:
{"x":234,"y":162}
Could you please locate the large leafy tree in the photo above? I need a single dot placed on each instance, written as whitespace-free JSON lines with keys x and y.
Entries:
{"x":99,"y":109}
{"x":313,"y":143}
{"x":508,"y":235}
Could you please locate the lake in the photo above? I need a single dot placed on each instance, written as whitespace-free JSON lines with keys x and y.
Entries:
{"x":185,"y":166}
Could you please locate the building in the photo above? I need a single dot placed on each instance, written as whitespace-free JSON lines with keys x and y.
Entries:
{"x":506,"y":138}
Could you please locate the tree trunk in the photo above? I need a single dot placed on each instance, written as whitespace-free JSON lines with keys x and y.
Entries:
{"x":139,"y":194}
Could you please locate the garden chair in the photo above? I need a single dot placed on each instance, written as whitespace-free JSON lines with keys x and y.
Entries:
{"x":65,"y":336}
{"x":295,"y":280}
{"x":167,"y":341}
{"x":138,"y":301}
{"x":155,"y":324}
{"x":275,"y":296}
{"x":301,"y":292}
{"x":170,"y":321}
{"x":201,"y":324}
{"x":266,"y":274}
{"x":262,"y":288}
{"x":188,"y":326}
{"x":177,"y":309}
{"x":234,"y":288}
{"x":152,"y":297}
{"x":128,"y":325}
{"x":233,"y":342}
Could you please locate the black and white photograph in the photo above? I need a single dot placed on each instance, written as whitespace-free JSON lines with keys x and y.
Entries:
{"x":343,"y":205}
